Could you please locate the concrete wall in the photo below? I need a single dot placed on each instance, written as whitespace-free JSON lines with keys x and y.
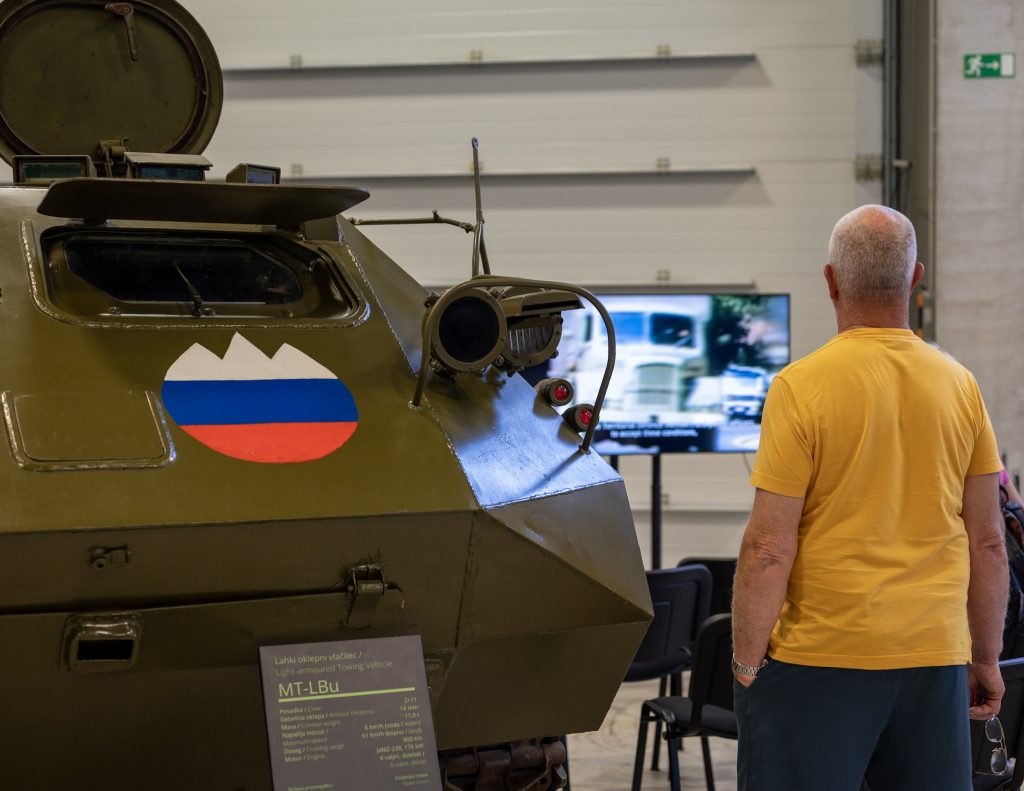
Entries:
{"x":979,"y":222}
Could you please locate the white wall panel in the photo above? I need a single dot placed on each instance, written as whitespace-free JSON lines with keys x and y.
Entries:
{"x":352,"y":124}
{"x":324,"y":32}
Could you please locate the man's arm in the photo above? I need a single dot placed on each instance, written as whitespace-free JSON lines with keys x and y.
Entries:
{"x":986,"y":594}
{"x":762,"y":574}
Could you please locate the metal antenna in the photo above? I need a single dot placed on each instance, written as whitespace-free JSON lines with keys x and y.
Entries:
{"x":478,"y":232}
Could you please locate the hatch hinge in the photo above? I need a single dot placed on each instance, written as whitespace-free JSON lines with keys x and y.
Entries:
{"x":373,"y":601}
{"x":103,"y":558}
{"x":533,"y":765}
{"x":112,"y":157}
{"x":127,"y":12}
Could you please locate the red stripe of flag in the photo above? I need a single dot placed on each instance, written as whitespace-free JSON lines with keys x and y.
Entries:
{"x":279,"y":443}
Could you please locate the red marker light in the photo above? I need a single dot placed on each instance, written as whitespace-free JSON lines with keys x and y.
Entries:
{"x":579,"y":417}
{"x":557,"y":392}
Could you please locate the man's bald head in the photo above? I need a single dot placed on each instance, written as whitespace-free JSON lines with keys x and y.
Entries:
{"x":873,"y":250}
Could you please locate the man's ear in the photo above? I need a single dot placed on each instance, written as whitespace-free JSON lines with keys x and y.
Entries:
{"x":830,"y":278}
{"x":918,"y":274}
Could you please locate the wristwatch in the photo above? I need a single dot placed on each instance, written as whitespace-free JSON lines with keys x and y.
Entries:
{"x":747,"y":670}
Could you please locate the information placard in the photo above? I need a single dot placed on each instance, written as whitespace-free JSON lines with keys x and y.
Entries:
{"x":352,"y":714}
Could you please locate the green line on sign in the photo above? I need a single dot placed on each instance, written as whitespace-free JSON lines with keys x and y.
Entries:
{"x":348,"y":694}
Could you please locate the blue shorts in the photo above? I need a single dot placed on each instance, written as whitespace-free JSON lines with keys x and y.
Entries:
{"x":827,"y":729}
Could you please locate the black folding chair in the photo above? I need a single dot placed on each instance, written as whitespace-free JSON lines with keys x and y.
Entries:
{"x":681,"y":598}
{"x":723,"y":570}
{"x":706,"y":711}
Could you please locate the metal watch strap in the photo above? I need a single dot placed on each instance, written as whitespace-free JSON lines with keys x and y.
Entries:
{"x":747,"y":670}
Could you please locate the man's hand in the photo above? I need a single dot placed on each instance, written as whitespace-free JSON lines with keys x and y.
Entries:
{"x":745,"y":680}
{"x":985,"y":683}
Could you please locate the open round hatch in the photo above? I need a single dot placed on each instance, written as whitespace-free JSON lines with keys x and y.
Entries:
{"x":74,"y":73}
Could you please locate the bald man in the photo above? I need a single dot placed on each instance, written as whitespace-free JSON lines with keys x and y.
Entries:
{"x":872,"y":577}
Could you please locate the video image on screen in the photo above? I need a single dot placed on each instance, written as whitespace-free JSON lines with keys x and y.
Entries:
{"x":691,"y":372}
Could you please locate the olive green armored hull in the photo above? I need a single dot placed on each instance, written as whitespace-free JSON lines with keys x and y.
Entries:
{"x":511,"y":553}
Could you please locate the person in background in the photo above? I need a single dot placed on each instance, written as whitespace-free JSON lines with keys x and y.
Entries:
{"x":1008,"y":492}
{"x":872,"y":577}
{"x":1013,"y":519}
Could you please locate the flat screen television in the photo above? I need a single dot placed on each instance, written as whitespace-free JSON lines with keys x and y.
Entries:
{"x":691,"y":370}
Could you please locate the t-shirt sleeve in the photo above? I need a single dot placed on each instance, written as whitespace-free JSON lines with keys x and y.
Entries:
{"x":985,"y":459}
{"x":783,"y":464}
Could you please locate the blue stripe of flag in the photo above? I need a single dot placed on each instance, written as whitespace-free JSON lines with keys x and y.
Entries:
{"x":224,"y":402}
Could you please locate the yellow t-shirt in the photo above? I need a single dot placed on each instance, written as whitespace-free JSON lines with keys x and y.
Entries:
{"x":877,"y":431}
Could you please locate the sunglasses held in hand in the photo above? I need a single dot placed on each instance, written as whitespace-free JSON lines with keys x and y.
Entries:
{"x":994,"y":733}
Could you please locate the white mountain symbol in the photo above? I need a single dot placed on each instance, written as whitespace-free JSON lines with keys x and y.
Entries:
{"x":244,"y":361}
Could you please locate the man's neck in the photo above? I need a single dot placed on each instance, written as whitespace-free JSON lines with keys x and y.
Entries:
{"x":887,"y":317}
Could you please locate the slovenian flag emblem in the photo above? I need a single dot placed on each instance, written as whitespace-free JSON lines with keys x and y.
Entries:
{"x":281,"y":409}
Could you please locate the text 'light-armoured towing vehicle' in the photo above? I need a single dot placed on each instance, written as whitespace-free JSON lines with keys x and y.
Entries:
{"x":231,"y":421}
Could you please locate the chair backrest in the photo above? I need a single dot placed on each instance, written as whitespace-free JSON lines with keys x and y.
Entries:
{"x":1011,"y":715}
{"x":681,"y":598}
{"x":722,"y":572}
{"x":711,"y":676}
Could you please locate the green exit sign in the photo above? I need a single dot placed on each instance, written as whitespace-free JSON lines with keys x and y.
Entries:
{"x":990,"y":64}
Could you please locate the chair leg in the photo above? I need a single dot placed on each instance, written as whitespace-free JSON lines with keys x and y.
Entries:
{"x":568,"y":780}
{"x":675,"y":688}
{"x":662,"y":686}
{"x":709,"y":772}
{"x":641,"y":748}
{"x":673,"y":763}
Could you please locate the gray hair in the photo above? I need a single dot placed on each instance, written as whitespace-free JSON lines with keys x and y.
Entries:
{"x":873,"y":250}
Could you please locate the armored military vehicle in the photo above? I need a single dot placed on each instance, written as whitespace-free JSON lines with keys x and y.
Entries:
{"x":232,"y":421}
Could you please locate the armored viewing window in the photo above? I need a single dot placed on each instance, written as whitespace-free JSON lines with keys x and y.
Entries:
{"x":173,"y":270}
{"x":151,"y":273}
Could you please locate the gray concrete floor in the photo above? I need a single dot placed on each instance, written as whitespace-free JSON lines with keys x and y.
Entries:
{"x":603,"y":760}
